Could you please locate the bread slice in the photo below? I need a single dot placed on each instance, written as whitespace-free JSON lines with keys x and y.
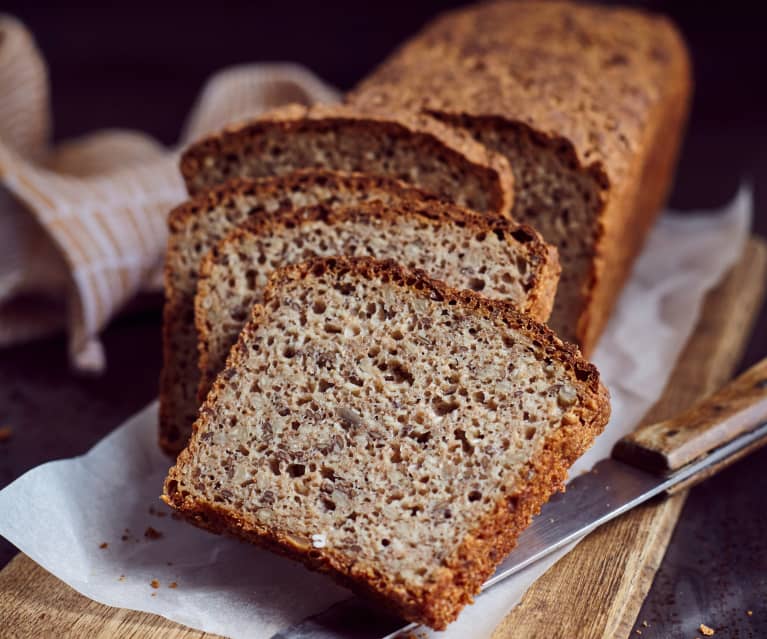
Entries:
{"x":413,"y":148}
{"x":464,"y":249}
{"x":385,"y":428}
{"x":196,"y":226}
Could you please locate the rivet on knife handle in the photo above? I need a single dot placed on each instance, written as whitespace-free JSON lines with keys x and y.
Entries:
{"x":667,"y":446}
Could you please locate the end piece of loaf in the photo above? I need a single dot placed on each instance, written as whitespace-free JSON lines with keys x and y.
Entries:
{"x":380,"y":426}
{"x":588,"y":103}
{"x":416,"y":149}
{"x":464,"y":249}
{"x":196,"y":226}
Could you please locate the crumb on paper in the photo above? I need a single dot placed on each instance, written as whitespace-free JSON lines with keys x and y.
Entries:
{"x":706,"y":630}
{"x":156,"y":513}
{"x":103,"y":545}
{"x":154,"y":594}
{"x":319,"y":540}
{"x":172,"y":584}
{"x":151,"y":533}
{"x":121,"y":578}
{"x":154,"y":583}
{"x":6,"y":432}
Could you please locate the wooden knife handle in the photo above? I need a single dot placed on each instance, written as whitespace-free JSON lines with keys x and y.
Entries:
{"x":669,"y":445}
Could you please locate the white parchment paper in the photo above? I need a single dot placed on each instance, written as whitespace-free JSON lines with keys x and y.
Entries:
{"x":62,"y":513}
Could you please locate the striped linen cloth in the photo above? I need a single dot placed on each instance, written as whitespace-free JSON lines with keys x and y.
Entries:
{"x":83,"y":224}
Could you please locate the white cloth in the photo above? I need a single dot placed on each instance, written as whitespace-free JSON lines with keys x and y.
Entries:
{"x":60,"y":513}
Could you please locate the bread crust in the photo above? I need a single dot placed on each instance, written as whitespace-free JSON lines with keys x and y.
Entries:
{"x":493,"y":167}
{"x":544,"y":257}
{"x":608,"y":87}
{"x":177,"y":386}
{"x":495,"y":535}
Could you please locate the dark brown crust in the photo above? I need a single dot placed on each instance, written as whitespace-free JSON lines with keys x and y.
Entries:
{"x":178,"y":310}
{"x":463,"y":573}
{"x":609,"y":86}
{"x":289,"y":119}
{"x":543,"y":256}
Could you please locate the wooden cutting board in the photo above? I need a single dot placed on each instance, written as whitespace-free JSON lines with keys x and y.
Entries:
{"x":595,"y":591}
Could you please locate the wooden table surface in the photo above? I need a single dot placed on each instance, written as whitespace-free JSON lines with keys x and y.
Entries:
{"x":140,"y":65}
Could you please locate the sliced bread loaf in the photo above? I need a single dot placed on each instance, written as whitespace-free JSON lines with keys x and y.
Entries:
{"x":385,"y":428}
{"x":196,"y":226}
{"x":413,"y":148}
{"x":587,"y":102}
{"x":459,"y":247}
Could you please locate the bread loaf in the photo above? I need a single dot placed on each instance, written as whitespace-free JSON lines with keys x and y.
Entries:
{"x":413,"y":148}
{"x":464,"y":249}
{"x":387,"y":429}
{"x":588,"y":104}
{"x":196,"y":226}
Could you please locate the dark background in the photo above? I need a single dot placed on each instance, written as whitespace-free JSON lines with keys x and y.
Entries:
{"x":140,"y":65}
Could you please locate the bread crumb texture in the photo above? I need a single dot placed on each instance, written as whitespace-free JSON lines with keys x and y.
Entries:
{"x":383,"y":427}
{"x":198,"y":224}
{"x":500,"y":258}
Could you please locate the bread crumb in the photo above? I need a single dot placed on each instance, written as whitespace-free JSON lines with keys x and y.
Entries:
{"x":750,"y":613}
{"x":319,"y":540}
{"x":154,"y":594}
{"x":154,"y":583}
{"x":151,"y":533}
{"x":706,"y":630}
{"x":639,"y":632}
{"x":172,"y":584}
{"x":103,"y":545}
{"x":121,"y":578}
{"x":124,"y":537}
{"x":645,"y":624}
{"x":6,"y":432}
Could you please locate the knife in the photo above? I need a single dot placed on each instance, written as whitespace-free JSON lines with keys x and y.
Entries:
{"x":658,"y":459}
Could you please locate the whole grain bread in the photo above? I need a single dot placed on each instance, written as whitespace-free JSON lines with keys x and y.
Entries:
{"x":416,"y":149}
{"x":588,"y":103}
{"x":385,"y":428}
{"x":196,"y":226}
{"x":464,"y":249}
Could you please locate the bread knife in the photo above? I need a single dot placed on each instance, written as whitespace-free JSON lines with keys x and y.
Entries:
{"x":658,"y":459}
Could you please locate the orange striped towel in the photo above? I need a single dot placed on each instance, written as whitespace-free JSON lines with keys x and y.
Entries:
{"x":82,"y":225}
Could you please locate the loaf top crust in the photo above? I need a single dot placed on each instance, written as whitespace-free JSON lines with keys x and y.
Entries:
{"x":588,"y":77}
{"x":295,"y":117}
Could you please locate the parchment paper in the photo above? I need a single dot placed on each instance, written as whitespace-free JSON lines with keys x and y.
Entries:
{"x":96,"y":521}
